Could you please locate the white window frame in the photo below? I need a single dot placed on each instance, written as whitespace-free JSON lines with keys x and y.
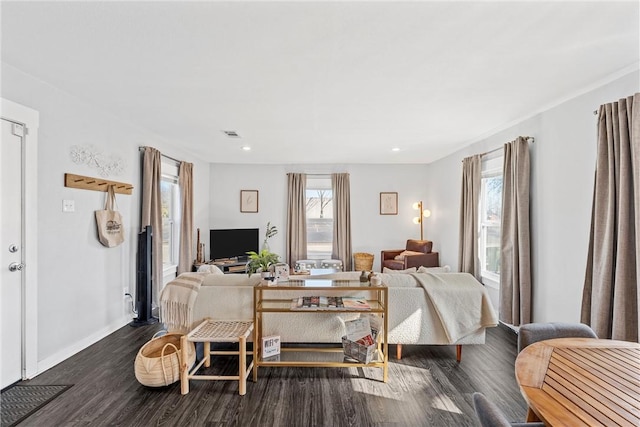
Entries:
{"x":314,"y":183}
{"x":169,"y":173}
{"x":491,"y":167}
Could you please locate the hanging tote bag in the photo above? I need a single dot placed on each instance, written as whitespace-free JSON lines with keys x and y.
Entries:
{"x":109,"y":221}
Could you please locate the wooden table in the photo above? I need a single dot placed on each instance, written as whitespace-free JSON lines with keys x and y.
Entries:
{"x":581,"y":381}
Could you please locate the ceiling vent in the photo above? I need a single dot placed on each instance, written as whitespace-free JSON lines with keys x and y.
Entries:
{"x":231,"y":133}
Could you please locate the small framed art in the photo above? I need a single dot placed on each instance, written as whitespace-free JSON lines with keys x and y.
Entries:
{"x":249,"y":201}
{"x":389,"y":203}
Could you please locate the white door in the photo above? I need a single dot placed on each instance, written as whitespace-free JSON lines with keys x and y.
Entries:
{"x":11,"y":252}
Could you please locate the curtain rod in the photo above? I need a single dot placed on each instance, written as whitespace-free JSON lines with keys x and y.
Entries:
{"x":315,"y":174}
{"x":163,"y":155}
{"x":528,"y":138}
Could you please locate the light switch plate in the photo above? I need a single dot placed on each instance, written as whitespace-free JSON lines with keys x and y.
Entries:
{"x":68,"y":206}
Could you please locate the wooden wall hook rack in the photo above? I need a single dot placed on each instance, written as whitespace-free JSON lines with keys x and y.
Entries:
{"x":96,"y":184}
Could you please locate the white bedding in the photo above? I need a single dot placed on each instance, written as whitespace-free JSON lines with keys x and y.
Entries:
{"x":460,"y":301}
{"x":413,"y":318}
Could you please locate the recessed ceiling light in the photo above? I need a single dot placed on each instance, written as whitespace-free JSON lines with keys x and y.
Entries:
{"x":395,"y":149}
{"x":231,"y":133}
{"x":246,"y":148}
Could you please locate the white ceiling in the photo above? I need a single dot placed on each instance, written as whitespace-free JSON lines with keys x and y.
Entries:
{"x":322,"y":82}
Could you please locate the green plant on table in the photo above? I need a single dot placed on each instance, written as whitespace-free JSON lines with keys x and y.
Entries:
{"x":261,"y":261}
{"x":271,"y":231}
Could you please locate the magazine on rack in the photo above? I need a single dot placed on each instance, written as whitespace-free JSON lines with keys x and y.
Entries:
{"x":356,"y":303}
{"x":359,"y":330}
{"x":329,"y":303}
{"x":317,"y":303}
{"x":359,"y":343}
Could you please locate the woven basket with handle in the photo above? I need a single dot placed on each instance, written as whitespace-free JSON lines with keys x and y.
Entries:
{"x":158,"y":361}
{"x":362,"y":261}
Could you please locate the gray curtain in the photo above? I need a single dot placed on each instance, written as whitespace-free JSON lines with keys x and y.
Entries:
{"x":152,"y":214}
{"x":468,"y":259}
{"x":515,"y":245}
{"x":185,"y":182}
{"x":296,"y":218}
{"x":341,"y":219}
{"x":610,"y":295}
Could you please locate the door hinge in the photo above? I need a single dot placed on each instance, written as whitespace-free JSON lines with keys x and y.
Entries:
{"x":17,"y":129}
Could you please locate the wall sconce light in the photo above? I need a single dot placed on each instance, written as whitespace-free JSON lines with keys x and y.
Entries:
{"x":422,"y":213}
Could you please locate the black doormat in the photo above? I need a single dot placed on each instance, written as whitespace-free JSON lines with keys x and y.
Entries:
{"x":20,"y":401}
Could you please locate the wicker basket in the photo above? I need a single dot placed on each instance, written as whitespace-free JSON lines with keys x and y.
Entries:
{"x":362,"y":261}
{"x":158,"y":361}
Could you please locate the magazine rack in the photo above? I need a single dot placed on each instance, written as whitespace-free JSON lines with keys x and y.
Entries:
{"x":277,"y":299}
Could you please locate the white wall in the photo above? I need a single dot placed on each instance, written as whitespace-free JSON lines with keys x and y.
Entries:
{"x":371,"y":232}
{"x":81,"y":283}
{"x":562,"y":171}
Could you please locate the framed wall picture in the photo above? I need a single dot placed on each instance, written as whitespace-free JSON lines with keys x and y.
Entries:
{"x":389,"y":203}
{"x":249,"y":201}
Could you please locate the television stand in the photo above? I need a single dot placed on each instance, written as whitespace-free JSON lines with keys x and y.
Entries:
{"x":227,"y":267}
{"x":233,"y":267}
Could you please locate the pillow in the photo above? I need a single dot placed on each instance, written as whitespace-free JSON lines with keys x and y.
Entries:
{"x":443,"y":269}
{"x":240,"y":279}
{"x":392,"y":271}
{"x":398,"y":280}
{"x":403,"y":254}
{"x":207,"y":268}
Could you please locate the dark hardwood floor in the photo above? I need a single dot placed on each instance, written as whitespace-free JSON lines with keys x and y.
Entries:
{"x":426,"y":388}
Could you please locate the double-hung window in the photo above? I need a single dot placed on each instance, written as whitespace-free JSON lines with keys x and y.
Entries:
{"x":170,"y":199}
{"x":490,"y":218}
{"x":319,"y":199}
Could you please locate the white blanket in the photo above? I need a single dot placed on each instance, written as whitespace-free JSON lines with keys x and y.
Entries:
{"x":461,"y":302}
{"x":177,"y":300}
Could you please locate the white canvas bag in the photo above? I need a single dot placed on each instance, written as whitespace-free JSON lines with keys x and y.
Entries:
{"x":109,"y":221}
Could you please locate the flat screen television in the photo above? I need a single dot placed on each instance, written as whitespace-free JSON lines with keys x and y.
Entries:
{"x":233,"y":242}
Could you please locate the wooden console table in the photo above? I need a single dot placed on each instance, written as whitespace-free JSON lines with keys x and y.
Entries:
{"x":265,"y":299}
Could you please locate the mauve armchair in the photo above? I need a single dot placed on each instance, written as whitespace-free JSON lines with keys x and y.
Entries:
{"x":421,"y":256}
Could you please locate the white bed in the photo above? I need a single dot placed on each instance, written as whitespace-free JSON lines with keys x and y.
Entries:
{"x":413,"y":317}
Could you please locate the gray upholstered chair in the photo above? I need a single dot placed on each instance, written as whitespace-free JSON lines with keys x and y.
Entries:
{"x":490,"y":415}
{"x":534,"y":332}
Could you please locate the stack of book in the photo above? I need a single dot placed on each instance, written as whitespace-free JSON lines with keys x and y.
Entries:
{"x":236,"y":268}
{"x":329,"y":303}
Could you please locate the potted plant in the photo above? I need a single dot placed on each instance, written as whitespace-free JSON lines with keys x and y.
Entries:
{"x":262,"y":261}
{"x":271,"y":231}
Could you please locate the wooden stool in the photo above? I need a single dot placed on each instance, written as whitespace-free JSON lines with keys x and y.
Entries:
{"x":217,"y":331}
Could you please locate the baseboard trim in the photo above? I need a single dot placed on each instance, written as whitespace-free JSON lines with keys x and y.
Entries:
{"x":507,"y":327}
{"x":64,"y":354}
